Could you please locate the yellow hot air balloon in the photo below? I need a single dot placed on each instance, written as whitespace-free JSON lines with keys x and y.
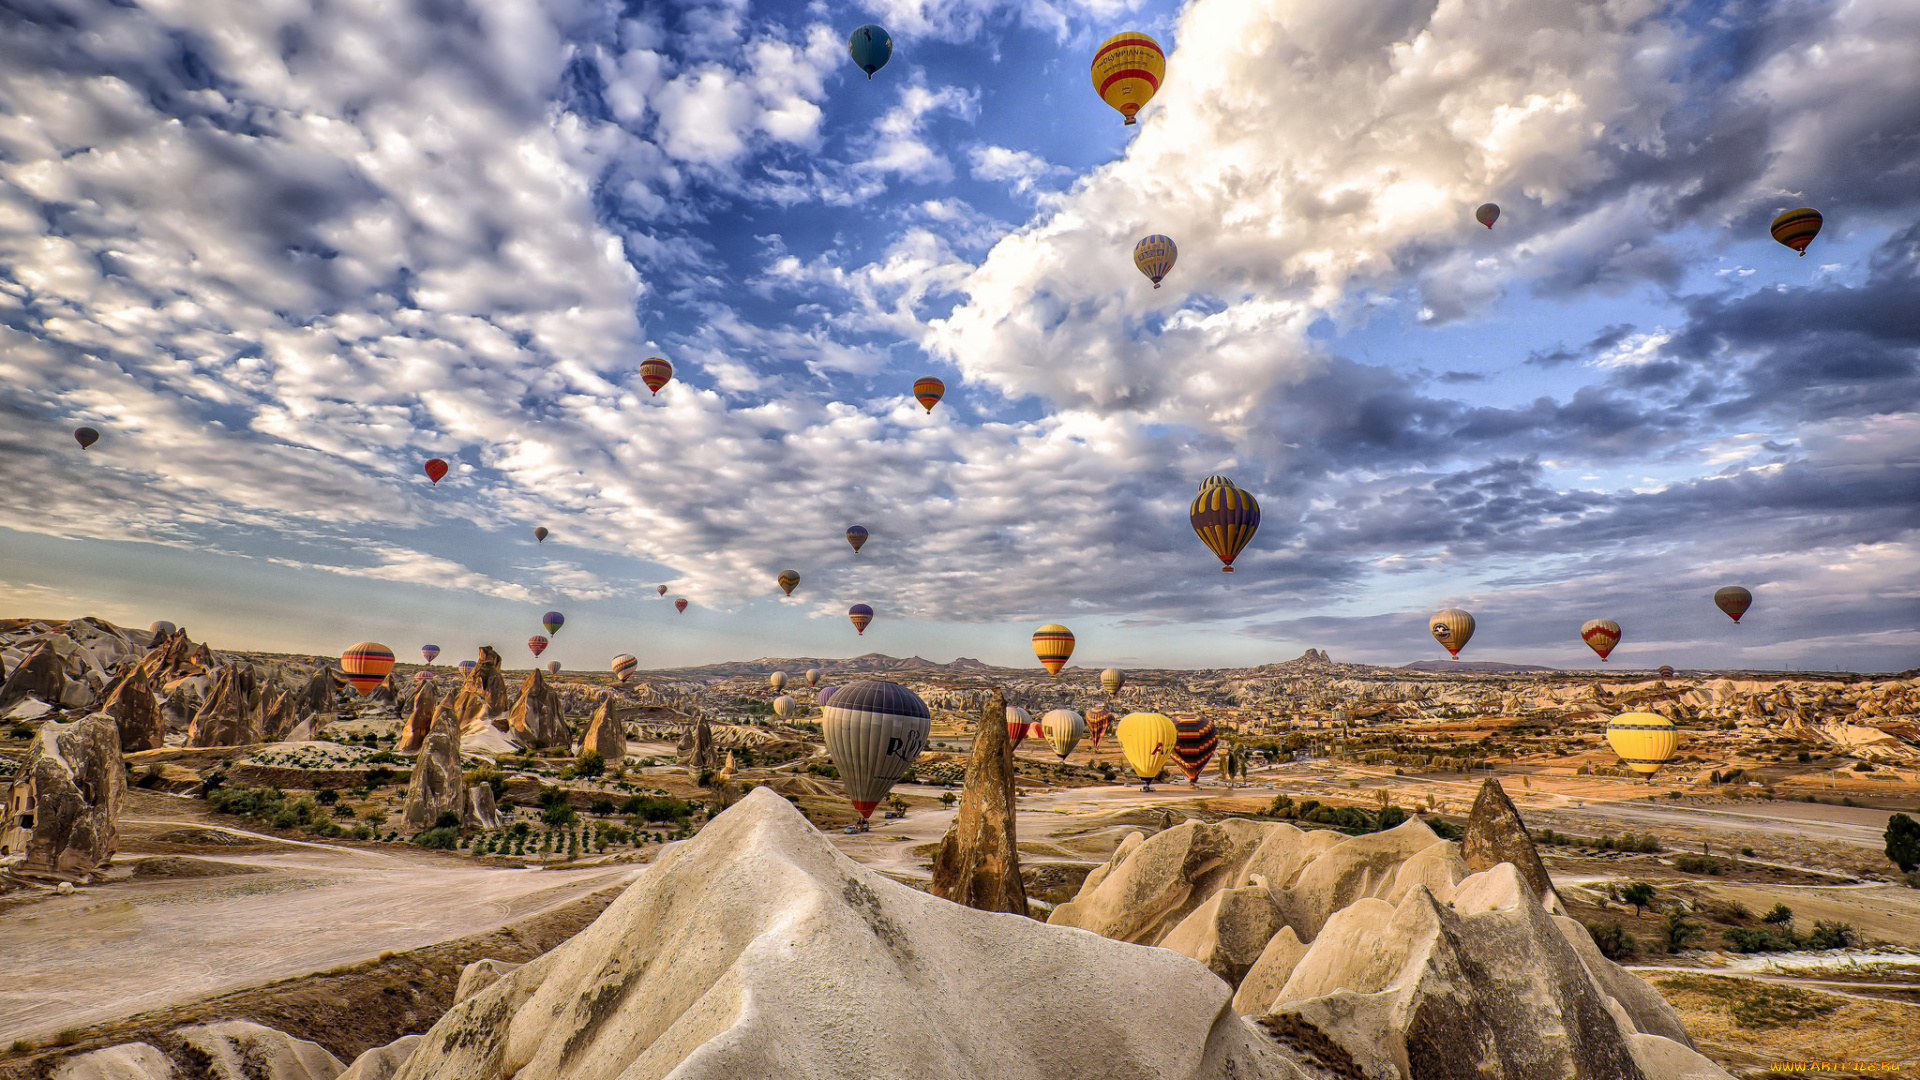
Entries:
{"x":777,"y":680}
{"x":1127,"y":69}
{"x":1063,"y":729}
{"x":1147,"y":738}
{"x":1451,"y":627}
{"x":1053,"y":644}
{"x":1112,"y":679}
{"x":1645,"y":741}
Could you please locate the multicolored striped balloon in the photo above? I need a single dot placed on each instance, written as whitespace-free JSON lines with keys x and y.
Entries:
{"x":1797,"y":228}
{"x":656,"y":373}
{"x":537,"y":644}
{"x":1053,"y":644}
{"x":431,"y":652}
{"x":1193,"y":745}
{"x":624,"y":665}
{"x":1225,"y":518}
{"x":875,"y":731}
{"x":826,"y":692}
{"x":857,"y":536}
{"x":468,"y":665}
{"x":366,"y":666}
{"x":860,"y":615}
{"x":553,"y":667}
{"x":553,"y":621}
{"x":1099,"y":718}
{"x":1155,"y":256}
{"x":789,"y":580}
{"x":1127,"y":69}
{"x":1601,"y":635}
{"x":929,"y":390}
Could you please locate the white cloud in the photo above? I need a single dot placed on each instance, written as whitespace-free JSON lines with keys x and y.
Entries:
{"x":1019,"y":169}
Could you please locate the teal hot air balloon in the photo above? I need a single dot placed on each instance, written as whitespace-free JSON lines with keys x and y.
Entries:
{"x":870,"y":48}
{"x":553,"y":621}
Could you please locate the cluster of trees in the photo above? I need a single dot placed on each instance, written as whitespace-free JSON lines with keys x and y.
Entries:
{"x":1347,"y":818}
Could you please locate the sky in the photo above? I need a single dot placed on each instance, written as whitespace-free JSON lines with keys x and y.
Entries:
{"x":280,"y":253}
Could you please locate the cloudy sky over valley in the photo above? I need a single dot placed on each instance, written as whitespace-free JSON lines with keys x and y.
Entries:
{"x":279,"y":253}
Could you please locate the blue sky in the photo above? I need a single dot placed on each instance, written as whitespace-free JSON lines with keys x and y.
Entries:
{"x":279,"y":257}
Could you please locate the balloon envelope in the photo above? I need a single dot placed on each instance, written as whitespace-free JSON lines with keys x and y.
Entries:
{"x":1601,"y":635}
{"x":928,"y":391}
{"x":1146,"y":739}
{"x":422,"y":676}
{"x":783,"y":707}
{"x":777,"y":680}
{"x":870,"y":47}
{"x":1112,"y":679}
{"x":1797,"y":228}
{"x":857,"y":536}
{"x":824,"y":693}
{"x":1099,"y":718}
{"x":655,"y":372}
{"x":1127,"y":69}
{"x":1487,"y":214}
{"x":537,"y":644}
{"x":1452,"y":628}
{"x":624,"y":665}
{"x":431,"y":652}
{"x":469,"y":665}
{"x":162,"y":629}
{"x":860,"y":615}
{"x":1154,"y":256}
{"x":1194,"y":742}
{"x":553,"y":621}
{"x":1063,"y":729}
{"x":1019,"y":723}
{"x":1225,"y":518}
{"x":789,"y":579}
{"x":436,"y":469}
{"x":85,"y":436}
{"x":553,"y":667}
{"x":874,"y":732}
{"x":540,"y":534}
{"x":661,"y":589}
{"x":1644,"y":741}
{"x":1666,"y":671}
{"x":1053,"y":644}
{"x":680,"y":604}
{"x":366,"y":666}
{"x":1733,"y":600}
{"x":813,"y":676}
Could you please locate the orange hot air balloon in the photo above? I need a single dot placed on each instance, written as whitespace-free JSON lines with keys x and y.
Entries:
{"x":1127,"y":69}
{"x":1601,"y":635}
{"x":680,"y":604}
{"x":1797,"y":228}
{"x":1053,"y":644}
{"x":656,"y":373}
{"x":537,"y":644}
{"x":436,"y":469}
{"x":929,"y":391}
{"x":366,"y":666}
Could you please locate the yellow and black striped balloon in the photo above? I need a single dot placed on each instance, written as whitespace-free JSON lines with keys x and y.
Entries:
{"x":1797,"y":228}
{"x":1225,"y":518}
{"x":1053,"y":644}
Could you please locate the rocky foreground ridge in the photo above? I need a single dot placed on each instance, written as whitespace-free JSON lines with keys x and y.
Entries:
{"x":1385,"y":956}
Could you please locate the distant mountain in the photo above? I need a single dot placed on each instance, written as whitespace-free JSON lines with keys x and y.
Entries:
{"x":1493,"y":667}
{"x":795,"y":666}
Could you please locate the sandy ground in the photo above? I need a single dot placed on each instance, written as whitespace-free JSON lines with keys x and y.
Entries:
{"x":133,"y":945}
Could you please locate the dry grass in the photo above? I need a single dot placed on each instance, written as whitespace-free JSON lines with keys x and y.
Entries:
{"x":1748,"y":1023}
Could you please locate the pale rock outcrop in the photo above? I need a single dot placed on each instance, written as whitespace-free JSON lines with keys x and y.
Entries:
{"x":229,"y":717}
{"x":1357,"y":866}
{"x":41,"y":676}
{"x":413,"y":735}
{"x":605,"y":735}
{"x":823,"y":968}
{"x":381,"y":1062}
{"x":438,"y":786}
{"x":539,"y":716}
{"x":479,"y":975}
{"x":1496,"y":834}
{"x":1262,"y":983}
{"x":978,"y":864}
{"x":696,"y":750}
{"x":1147,"y":891}
{"x":230,"y":1050}
{"x":136,"y":712}
{"x":79,"y":787}
{"x":480,"y":812}
{"x":1228,"y":932}
{"x":128,"y":1061}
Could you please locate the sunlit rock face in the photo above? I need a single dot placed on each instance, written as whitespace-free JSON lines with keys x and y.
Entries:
{"x":79,"y":787}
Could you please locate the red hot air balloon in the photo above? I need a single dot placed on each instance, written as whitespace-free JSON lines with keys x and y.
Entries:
{"x":860,"y":615}
{"x":680,"y":603}
{"x":1733,"y":600}
{"x":1487,"y":214}
{"x":436,"y":469}
{"x":656,"y":373}
{"x":366,"y":666}
{"x":929,"y":391}
{"x":85,"y":436}
{"x":537,"y":644}
{"x":1601,"y":635}
{"x":1019,"y":725}
{"x":1193,"y":745}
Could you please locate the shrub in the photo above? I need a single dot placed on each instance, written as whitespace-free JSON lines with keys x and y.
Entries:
{"x":1389,"y":817}
{"x":1804,"y":758}
{"x":1677,"y":931}
{"x":443,"y":839}
{"x":342,"y":810}
{"x":1830,"y":935}
{"x":590,"y":764}
{"x":1903,"y":842}
{"x":1861,"y":766}
{"x":559,"y":814}
{"x":1697,"y":864}
{"x":648,"y":808}
{"x":447,"y":820}
{"x":1443,"y":828}
{"x":21,"y":1046}
{"x":601,"y":807}
{"x":1639,"y":894}
{"x":1612,"y":940}
{"x":326,"y":796}
{"x":362,"y":832}
{"x":374,"y":816}
{"x":1778,"y":915}
{"x":378,"y":775}
{"x":1742,"y":939}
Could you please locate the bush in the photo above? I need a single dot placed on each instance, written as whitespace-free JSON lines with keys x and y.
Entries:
{"x":590,"y":764}
{"x":1389,"y":817}
{"x":1861,"y":766}
{"x":1639,"y":894}
{"x":378,"y":775}
{"x":1612,"y":940}
{"x":1744,"y":940}
{"x":1830,"y":935}
{"x":441,"y":838}
{"x":374,"y":816}
{"x":1903,"y":842}
{"x":601,"y":807}
{"x":647,"y":808}
{"x":1778,"y":915}
{"x":326,"y":796}
{"x":1677,"y":931}
{"x":362,"y":832}
{"x":1697,"y":864}
{"x":447,"y":820}
{"x":1804,"y":758}
{"x":559,"y":814}
{"x":342,"y":810}
{"x":1443,"y":828}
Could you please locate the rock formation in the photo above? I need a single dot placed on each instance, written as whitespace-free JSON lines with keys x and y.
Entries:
{"x":381,"y":1062}
{"x":482,"y":697}
{"x":42,"y":676}
{"x":135,"y":712}
{"x":1495,"y":834}
{"x":824,"y":968}
{"x":696,"y":750}
{"x":979,"y":860}
{"x":79,"y":787}
{"x":605,"y":735}
{"x":230,"y":715}
{"x":539,"y":716}
{"x":230,"y":1050}
{"x":479,"y":975}
{"x":438,"y":786}
{"x":413,"y":735}
{"x":479,"y":812}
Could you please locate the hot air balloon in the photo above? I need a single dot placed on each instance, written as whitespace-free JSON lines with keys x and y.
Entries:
{"x":1487,"y":214}
{"x":1112,"y":679}
{"x":813,"y":676}
{"x":656,"y":373}
{"x":789,"y":580}
{"x":1797,"y":228}
{"x":553,"y":621}
{"x":366,"y":666}
{"x":1452,"y":628}
{"x":468,"y":665}
{"x":1193,"y":745}
{"x":553,"y":667}
{"x":1666,"y":671}
{"x":1019,"y":724}
{"x":431,"y":652}
{"x":85,"y":436}
{"x":820,"y":697}
{"x":1224,"y":517}
{"x":1127,"y":69}
{"x":860,"y":615}
{"x":1155,"y":256}
{"x":662,"y":589}
{"x":624,"y":665}
{"x":1099,"y":718}
{"x":537,"y":644}
{"x":874,"y":731}
{"x":1644,"y":741}
{"x":540,"y":534}
{"x":1733,"y":600}
{"x":680,"y":604}
{"x":870,"y":48}
{"x":422,"y":676}
{"x":1053,"y":644}
{"x":1146,"y":738}
{"x":857,"y":536}
{"x":1063,"y":729}
{"x":436,"y":469}
{"x":777,"y":680}
{"x":1601,"y":635}
{"x":783,"y":707}
{"x":929,"y":391}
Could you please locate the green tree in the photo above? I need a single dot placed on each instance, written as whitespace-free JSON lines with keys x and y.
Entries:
{"x":590,"y":764}
{"x":1677,"y":931}
{"x":1780,"y":915}
{"x":1640,"y":895}
{"x":1903,"y":842}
